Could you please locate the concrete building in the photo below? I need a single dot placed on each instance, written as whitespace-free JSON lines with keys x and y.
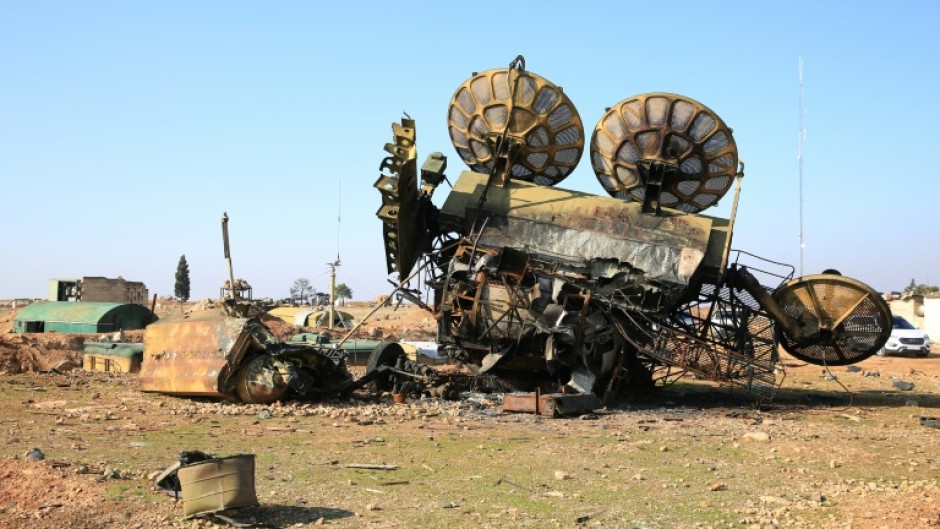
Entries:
{"x":98,"y":289}
{"x":923,"y":312}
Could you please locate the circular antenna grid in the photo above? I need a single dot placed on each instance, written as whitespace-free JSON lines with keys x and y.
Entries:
{"x":666,"y":128}
{"x":527,"y":108}
{"x":855,"y":321}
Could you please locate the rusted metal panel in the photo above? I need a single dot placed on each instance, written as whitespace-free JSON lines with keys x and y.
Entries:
{"x":193,"y":357}
{"x":551,"y":404}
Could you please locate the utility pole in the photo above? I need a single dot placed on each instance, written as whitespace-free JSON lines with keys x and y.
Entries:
{"x":333,"y":266}
{"x":336,"y":263}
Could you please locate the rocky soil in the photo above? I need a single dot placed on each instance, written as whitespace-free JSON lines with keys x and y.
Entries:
{"x":844,"y":448}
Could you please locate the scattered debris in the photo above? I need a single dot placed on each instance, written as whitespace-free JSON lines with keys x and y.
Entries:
{"x":759,"y":437}
{"x":930,"y":422}
{"x":551,"y":404}
{"x":852,"y":369}
{"x":371,"y":467}
{"x":903,"y":385}
{"x":35,"y":455}
{"x":871,"y":374}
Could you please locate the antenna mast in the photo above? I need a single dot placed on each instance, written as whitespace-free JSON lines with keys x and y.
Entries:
{"x":800,"y":159}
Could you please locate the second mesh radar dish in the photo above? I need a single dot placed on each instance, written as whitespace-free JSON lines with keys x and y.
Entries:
{"x":669,"y":129}
{"x":537,"y":118}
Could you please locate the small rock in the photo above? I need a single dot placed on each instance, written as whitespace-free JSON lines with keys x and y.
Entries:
{"x":758,"y":437}
{"x":35,"y":455}
{"x":373,"y":507}
{"x":853,"y":369}
{"x":560,"y":475}
{"x":834,"y":464}
{"x":903,"y":385}
{"x":263,"y":415}
{"x":451,"y":505}
{"x":817,"y":497}
{"x":663,"y":448}
{"x":715,"y":487}
{"x":871,"y":374}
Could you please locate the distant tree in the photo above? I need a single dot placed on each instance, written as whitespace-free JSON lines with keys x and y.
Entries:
{"x":181,"y":288}
{"x":913,"y":285}
{"x":343,"y":292}
{"x":301,"y":289}
{"x":925,"y":290}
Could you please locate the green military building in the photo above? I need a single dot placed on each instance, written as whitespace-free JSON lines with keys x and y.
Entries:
{"x":81,"y":317}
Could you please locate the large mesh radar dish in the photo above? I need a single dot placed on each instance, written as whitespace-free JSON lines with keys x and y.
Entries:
{"x":529,"y":110}
{"x":854,"y":322}
{"x":671,"y":129}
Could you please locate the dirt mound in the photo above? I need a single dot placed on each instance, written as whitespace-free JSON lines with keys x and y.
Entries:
{"x":6,"y":321}
{"x":277,"y":326}
{"x":405,"y":324}
{"x":21,"y":353}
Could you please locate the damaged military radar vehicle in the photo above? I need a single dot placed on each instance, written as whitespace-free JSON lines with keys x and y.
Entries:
{"x":544,"y":287}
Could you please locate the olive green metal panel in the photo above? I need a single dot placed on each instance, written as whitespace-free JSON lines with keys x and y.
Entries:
{"x":578,"y":228}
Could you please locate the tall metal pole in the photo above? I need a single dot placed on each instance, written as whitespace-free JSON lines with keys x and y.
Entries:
{"x":800,"y":159}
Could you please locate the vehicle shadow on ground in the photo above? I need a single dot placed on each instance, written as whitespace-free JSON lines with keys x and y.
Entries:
{"x":702,"y":395}
{"x":288,"y":515}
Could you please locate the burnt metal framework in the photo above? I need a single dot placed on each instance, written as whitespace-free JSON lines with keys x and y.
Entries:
{"x":723,"y":334}
{"x":497,"y":312}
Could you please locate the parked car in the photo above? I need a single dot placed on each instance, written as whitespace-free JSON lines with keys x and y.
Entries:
{"x":725,"y":323}
{"x":906,"y":338}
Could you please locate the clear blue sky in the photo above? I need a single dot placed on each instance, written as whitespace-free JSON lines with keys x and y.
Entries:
{"x":127,"y":128}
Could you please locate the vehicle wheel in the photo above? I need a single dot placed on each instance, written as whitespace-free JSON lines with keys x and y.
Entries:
{"x":385,"y":354}
{"x":923,"y":354}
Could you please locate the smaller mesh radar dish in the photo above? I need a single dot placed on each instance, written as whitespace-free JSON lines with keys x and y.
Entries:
{"x":667,"y":129}
{"x":542,"y":124}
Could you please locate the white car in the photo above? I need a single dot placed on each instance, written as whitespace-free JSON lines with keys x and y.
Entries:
{"x":905,"y":338}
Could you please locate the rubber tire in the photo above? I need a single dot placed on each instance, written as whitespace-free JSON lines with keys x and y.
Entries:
{"x":384,"y":354}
